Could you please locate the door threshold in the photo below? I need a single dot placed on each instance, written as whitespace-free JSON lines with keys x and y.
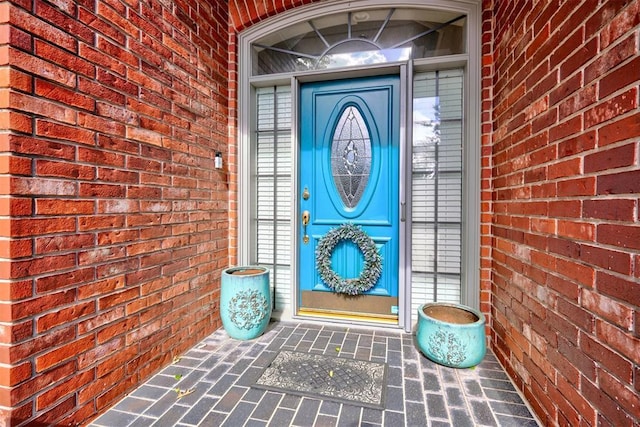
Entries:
{"x":355,"y":317}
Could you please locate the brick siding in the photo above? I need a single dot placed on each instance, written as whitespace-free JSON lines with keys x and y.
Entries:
{"x":566,"y":183}
{"x":113,"y":221}
{"x":114,"y":226}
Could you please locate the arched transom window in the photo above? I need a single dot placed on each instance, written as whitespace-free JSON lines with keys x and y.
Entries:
{"x":360,"y":38}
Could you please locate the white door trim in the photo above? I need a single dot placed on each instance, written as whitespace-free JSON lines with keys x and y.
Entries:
{"x":471,"y":230}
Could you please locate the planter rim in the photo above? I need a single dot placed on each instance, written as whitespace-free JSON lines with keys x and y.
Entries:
{"x":477,"y":313}
{"x":231,"y":270}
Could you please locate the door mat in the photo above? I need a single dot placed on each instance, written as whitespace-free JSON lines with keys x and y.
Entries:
{"x":355,"y":382}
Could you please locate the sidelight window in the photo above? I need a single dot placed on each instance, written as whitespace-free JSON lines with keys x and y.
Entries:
{"x":436,"y":187}
{"x":272,"y":188}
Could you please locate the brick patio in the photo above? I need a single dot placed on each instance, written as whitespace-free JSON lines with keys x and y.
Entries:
{"x":221,"y":372}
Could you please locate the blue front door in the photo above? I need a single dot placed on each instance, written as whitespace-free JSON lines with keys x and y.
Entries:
{"x":349,"y":176}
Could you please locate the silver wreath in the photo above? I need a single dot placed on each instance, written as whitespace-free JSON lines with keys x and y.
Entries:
{"x":371,"y":271}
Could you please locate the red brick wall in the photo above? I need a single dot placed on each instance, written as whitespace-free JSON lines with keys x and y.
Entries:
{"x":486,"y":99}
{"x":114,"y":226}
{"x":566,"y":186}
{"x":113,"y":222}
{"x":242,"y":15}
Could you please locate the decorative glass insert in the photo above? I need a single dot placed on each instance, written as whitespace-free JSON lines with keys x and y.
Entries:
{"x":360,"y":37}
{"x":351,"y":156}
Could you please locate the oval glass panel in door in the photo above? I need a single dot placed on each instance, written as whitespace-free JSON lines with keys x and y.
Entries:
{"x":351,"y":156}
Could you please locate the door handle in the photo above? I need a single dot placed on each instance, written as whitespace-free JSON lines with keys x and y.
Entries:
{"x":305,"y":221}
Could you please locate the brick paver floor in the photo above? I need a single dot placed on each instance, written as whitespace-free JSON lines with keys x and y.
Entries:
{"x":211,"y":385}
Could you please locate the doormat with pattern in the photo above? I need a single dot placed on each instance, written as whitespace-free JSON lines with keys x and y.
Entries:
{"x":355,"y":382}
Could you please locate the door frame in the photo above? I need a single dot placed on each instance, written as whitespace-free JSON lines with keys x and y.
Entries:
{"x":402,"y":70}
{"x":242,"y":160}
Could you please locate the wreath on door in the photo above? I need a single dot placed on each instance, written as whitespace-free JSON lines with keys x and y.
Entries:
{"x":372,"y":260}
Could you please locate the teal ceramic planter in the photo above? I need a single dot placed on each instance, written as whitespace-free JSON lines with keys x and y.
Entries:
{"x":245,"y":301}
{"x":451,"y":334}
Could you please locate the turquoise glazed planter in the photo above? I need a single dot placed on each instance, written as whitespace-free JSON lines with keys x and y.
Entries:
{"x":245,"y":301}
{"x":451,"y":334}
